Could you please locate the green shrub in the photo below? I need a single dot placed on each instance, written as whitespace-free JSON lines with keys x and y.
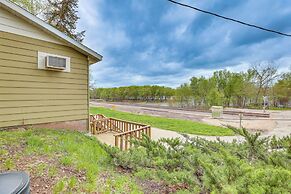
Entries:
{"x":252,"y":166}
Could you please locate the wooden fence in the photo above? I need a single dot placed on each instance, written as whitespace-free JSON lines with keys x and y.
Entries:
{"x":124,"y":140}
{"x":99,"y":124}
{"x":126,"y":131}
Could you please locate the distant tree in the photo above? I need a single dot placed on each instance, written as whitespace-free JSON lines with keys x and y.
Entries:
{"x":226,"y":84}
{"x":63,"y":15}
{"x":282,"y":89}
{"x":264,"y":75}
{"x":200,"y":88}
{"x":184,"y":94}
{"x":223,"y":88}
{"x":214,"y":97}
{"x":248,"y":89}
{"x":141,"y":93}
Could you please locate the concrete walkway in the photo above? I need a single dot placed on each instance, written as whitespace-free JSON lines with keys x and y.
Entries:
{"x":157,"y":134}
{"x":108,"y":138}
{"x":161,"y":133}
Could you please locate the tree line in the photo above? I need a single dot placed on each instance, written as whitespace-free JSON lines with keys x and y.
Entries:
{"x":238,"y":89}
{"x":133,"y":93}
{"x":225,"y":88}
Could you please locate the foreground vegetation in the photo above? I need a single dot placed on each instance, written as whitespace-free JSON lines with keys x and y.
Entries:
{"x":181,"y":126}
{"x":70,"y":162}
{"x":62,"y":162}
{"x":257,"y":165}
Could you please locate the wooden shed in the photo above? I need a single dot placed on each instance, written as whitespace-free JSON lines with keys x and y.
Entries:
{"x":44,"y":74}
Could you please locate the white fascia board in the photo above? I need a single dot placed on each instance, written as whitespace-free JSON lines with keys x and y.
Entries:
{"x":48,"y":28}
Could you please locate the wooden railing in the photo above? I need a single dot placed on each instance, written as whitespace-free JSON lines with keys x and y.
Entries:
{"x":124,"y":126}
{"x":124,"y":140}
{"x":99,"y":124}
{"x":126,"y":131}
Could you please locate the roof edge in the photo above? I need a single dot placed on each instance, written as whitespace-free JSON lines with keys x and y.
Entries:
{"x":50,"y":29}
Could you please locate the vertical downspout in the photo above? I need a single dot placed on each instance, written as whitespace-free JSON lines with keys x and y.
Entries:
{"x":88,"y":95}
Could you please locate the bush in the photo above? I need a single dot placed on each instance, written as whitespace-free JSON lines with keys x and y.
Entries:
{"x":256,"y":165}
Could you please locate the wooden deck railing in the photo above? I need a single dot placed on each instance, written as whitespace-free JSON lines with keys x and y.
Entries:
{"x":124,"y":140}
{"x":126,"y":131}
{"x":99,"y":124}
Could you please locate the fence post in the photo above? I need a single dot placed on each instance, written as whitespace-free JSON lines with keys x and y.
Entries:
{"x":94,"y":127}
{"x":121,"y":143}
{"x":116,"y":141}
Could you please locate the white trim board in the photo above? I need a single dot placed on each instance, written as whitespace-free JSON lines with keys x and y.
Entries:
{"x":11,"y":24}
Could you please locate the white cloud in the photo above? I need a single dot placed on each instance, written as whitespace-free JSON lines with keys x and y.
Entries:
{"x":101,"y":34}
{"x":163,"y":49}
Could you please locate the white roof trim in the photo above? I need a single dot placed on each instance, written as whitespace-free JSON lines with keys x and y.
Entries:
{"x":48,"y":28}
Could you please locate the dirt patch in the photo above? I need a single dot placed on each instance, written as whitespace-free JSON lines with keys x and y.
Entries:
{"x":44,"y":172}
{"x":160,"y":187}
{"x":153,"y":186}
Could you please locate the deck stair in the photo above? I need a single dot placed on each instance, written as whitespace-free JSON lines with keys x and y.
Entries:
{"x":125,"y":131}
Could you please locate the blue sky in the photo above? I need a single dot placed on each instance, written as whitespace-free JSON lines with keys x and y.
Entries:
{"x":156,"y":42}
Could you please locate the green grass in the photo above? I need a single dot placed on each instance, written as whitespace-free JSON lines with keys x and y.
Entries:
{"x":181,"y":126}
{"x":71,"y":150}
{"x":277,"y":108}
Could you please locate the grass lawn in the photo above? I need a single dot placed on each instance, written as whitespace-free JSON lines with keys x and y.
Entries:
{"x":62,"y":162}
{"x":181,"y":126}
{"x":277,"y":108}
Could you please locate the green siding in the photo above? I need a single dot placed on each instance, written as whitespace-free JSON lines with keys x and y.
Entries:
{"x":32,"y":96}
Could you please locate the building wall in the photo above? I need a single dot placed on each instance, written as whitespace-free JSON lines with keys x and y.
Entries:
{"x":29,"y":95}
{"x":12,"y":24}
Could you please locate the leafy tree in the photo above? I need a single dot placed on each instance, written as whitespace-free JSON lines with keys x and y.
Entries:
{"x":141,"y":93}
{"x":184,"y":94}
{"x":200,"y":88}
{"x":214,"y":97}
{"x":282,"y":89}
{"x":63,"y":15}
{"x":264,"y":75}
{"x":36,"y":7}
{"x":222,"y":88}
{"x":224,"y":84}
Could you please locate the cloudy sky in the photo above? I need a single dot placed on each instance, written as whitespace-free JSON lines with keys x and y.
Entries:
{"x":156,"y":42}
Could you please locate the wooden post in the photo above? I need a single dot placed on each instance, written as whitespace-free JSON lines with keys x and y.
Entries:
{"x":126,"y":141}
{"x":130,"y":143}
{"x":94,"y":128}
{"x":150,"y":132}
{"x":116,"y":141}
{"x":121,"y":142}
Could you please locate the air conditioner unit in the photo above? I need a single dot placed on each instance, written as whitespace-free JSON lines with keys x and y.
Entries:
{"x":55,"y":63}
